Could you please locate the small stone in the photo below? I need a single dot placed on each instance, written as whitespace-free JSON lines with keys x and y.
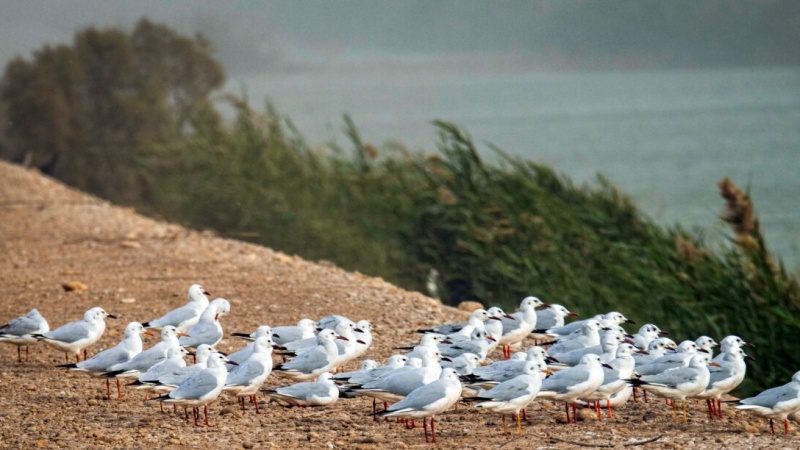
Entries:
{"x":312,"y":436}
{"x":75,"y":286}
{"x":248,"y":444}
{"x":623,"y":430}
{"x":128,"y":300}
{"x":130,"y":244}
{"x":398,"y":444}
{"x":750,"y":429}
{"x":586,"y":415}
{"x":175,"y":441}
{"x":91,"y":402}
{"x":232,"y":410}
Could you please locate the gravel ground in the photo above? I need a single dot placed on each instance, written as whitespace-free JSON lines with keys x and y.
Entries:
{"x":138,"y":268}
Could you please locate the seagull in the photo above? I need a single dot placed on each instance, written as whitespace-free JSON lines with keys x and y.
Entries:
{"x":242,"y":355}
{"x":76,"y":336}
{"x":576,"y":382}
{"x":607,"y":350}
{"x":646,"y":334}
{"x":330,"y":322}
{"x":725,"y":378}
{"x":187,"y":315}
{"x":100,"y":363}
{"x":478,"y":345}
{"x":706,"y":343}
{"x":363,"y":338}
{"x":148,"y":358}
{"x":552,"y":317}
{"x":248,"y":376}
{"x":686,"y":350}
{"x":621,"y":368}
{"x":149,"y":380}
{"x":397,"y":384}
{"x":394,"y":362}
{"x":657,"y":348}
{"x":170,"y":380}
{"x":588,"y":335}
{"x":475,"y":320}
{"x":310,"y":364}
{"x":428,"y":400}
{"x":775,"y":403}
{"x":202,"y":388}
{"x":504,"y":370}
{"x":429,"y":340}
{"x":464,"y":363}
{"x":207,"y":330}
{"x":304,"y":329}
{"x":322,"y":392}
{"x":510,"y":396}
{"x":678,"y":383}
{"x":524,"y":321}
{"x":730,"y":342}
{"x":20,"y":331}
{"x":494,"y":327}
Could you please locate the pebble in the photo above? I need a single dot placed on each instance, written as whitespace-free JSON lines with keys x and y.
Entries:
{"x":174,"y":441}
{"x":312,"y":436}
{"x":248,"y":444}
{"x":91,"y":402}
{"x":128,"y":300}
{"x":750,"y":429}
{"x":74,"y":286}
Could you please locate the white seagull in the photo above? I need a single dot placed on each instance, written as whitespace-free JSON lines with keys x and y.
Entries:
{"x":20,"y":331}
{"x":76,"y":336}
{"x":185,"y":316}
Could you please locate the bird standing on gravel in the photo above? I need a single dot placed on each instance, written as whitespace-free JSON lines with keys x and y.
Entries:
{"x":510,"y":396}
{"x":76,"y":336}
{"x":201,"y":389}
{"x":776,"y":403}
{"x":20,"y":331}
{"x":207,"y":330}
{"x":428,"y":400}
{"x":187,"y":315}
{"x":576,"y":382}
{"x":523,"y":323}
{"x":100,"y":363}
{"x":322,"y":392}
{"x":246,"y":378}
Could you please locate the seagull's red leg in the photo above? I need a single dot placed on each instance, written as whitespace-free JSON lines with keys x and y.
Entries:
{"x":241,"y":402}
{"x":524,"y":414}
{"x":608,"y":405}
{"x":119,"y":391}
{"x":425,"y":427}
{"x":205,"y":413}
{"x":161,"y":405}
{"x":645,"y":395}
{"x":196,"y":417}
{"x":19,"y":353}
{"x":634,"y":394}
{"x":709,"y":402}
{"x":574,"y":412}
{"x":84,"y":354}
{"x":599,"y":413}
{"x":785,"y":426}
{"x":27,"y":353}
{"x":108,"y":389}
{"x":255,"y":402}
{"x":433,"y":430}
{"x":566,"y":408}
{"x":772,"y":427}
{"x":719,"y":408}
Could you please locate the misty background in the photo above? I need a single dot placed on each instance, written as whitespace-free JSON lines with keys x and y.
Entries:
{"x":666,"y":98}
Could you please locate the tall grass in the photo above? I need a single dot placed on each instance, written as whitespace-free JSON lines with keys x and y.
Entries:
{"x":494,"y":232}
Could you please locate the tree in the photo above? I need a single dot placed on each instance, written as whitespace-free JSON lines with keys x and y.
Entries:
{"x":90,"y":113}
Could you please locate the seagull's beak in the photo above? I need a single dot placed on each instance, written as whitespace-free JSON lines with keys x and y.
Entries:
{"x":663,"y":333}
{"x":702,"y":350}
{"x":447,"y":341}
{"x":548,"y":371}
{"x":749,"y":357}
{"x":233,"y":363}
{"x":206,"y":293}
{"x":607,"y":366}
{"x":747,"y":344}
{"x":148,"y":332}
{"x":496,"y":318}
{"x":361,"y":342}
{"x":445,"y":358}
{"x":509,"y":316}
{"x":546,"y":305}
{"x":358,"y":330}
{"x":276,"y":335}
{"x":643,"y":352}
{"x":111,"y":316}
{"x":342,"y":338}
{"x":572,"y":314}
{"x":190,"y":353}
{"x":181,"y":333}
{"x":491,"y":338}
{"x":216,"y":317}
{"x":712,"y":363}
{"x":550,"y":359}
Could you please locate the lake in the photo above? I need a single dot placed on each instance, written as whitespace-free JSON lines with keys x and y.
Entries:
{"x":665,"y":137}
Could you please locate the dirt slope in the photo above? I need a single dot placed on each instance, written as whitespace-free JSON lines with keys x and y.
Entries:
{"x":139,"y":268}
